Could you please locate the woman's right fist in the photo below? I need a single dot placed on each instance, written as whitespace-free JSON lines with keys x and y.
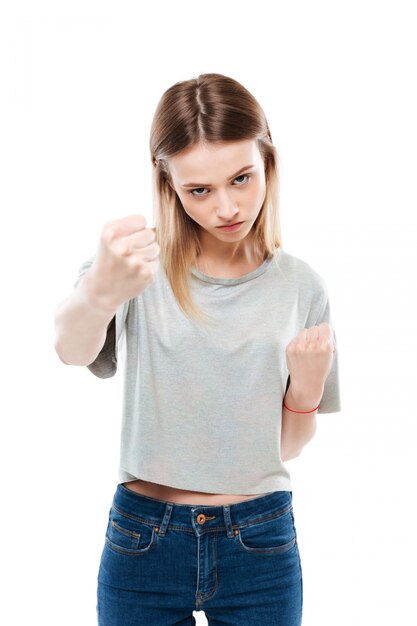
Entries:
{"x":126,"y":261}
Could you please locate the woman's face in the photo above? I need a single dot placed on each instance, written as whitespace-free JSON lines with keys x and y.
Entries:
{"x":218,"y":184}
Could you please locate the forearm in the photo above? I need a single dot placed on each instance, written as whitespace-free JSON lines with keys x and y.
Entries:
{"x":298,"y":428}
{"x":81,"y":325}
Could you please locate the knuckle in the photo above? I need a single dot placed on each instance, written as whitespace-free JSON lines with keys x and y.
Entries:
{"x":124,"y":249}
{"x":138,"y":266}
{"x":110,"y":232}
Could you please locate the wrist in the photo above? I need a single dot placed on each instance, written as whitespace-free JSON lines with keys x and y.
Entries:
{"x":95,"y":300}
{"x":303,"y":400}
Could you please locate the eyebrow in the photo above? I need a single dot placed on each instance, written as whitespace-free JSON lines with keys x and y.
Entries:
{"x":246,"y":167}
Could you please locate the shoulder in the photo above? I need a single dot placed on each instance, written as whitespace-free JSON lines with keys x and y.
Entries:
{"x":302,"y":274}
{"x":307,"y":286}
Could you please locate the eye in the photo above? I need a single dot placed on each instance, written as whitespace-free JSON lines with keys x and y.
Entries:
{"x":199,"y":195}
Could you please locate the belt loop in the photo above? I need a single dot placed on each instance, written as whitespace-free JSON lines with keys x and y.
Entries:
{"x":227,"y":520}
{"x":165,"y":520}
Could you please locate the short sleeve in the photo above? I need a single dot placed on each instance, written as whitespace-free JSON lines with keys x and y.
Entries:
{"x":330,"y":401}
{"x":105,"y":363}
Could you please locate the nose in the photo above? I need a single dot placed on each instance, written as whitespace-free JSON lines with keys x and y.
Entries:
{"x":226,"y":206}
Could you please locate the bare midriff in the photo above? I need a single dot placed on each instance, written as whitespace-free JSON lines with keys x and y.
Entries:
{"x":184,"y":496}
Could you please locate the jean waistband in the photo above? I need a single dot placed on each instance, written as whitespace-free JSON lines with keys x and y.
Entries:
{"x":199,"y":517}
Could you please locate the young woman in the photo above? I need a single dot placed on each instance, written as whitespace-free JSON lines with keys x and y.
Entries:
{"x":229,"y":355}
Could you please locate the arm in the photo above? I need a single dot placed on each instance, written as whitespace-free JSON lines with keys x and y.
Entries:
{"x":81,"y":324}
{"x":298,"y":428}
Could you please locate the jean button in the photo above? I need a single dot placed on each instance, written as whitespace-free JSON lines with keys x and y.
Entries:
{"x":201,"y":518}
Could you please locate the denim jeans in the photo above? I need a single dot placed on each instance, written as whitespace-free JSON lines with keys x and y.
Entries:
{"x":239,"y":563}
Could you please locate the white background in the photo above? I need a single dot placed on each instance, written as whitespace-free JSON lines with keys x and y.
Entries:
{"x":79,"y":84}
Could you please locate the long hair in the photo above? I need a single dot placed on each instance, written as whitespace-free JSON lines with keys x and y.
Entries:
{"x":206,"y":109}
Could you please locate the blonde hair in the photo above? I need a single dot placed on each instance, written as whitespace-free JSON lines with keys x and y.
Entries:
{"x":206,"y":109}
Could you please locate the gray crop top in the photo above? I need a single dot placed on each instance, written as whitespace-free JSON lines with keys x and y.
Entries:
{"x":202,"y":405}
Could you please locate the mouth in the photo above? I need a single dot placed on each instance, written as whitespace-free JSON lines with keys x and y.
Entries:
{"x":230,"y":225}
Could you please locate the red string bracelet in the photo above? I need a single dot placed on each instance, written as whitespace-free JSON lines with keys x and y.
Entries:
{"x":300,"y":411}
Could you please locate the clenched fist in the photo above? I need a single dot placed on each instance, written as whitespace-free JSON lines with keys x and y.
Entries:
{"x":126,"y":261}
{"x":310,"y":357}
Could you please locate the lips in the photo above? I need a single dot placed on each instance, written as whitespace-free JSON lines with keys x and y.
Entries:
{"x":228,"y":225}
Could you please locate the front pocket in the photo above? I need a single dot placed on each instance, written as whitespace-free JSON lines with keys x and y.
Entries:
{"x":127,"y":534}
{"x":133,"y":538}
{"x":276,"y":535}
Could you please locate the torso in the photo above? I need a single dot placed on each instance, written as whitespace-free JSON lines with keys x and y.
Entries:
{"x":183,"y":496}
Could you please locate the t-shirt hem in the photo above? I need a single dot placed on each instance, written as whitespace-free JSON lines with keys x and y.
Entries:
{"x":280,"y":484}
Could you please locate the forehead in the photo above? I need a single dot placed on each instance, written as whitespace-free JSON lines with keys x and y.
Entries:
{"x":201,"y":160}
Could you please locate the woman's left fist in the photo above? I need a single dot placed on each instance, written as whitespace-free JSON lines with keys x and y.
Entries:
{"x":310,"y":357}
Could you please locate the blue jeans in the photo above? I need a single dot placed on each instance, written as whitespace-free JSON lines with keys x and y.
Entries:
{"x":239,"y":563}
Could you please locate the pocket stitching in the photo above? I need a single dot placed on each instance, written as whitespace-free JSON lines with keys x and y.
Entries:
{"x":272,"y":549}
{"x":129,"y":533}
{"x":132,"y":551}
{"x":135,"y":536}
{"x":282,"y":549}
{"x":267,"y":518}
